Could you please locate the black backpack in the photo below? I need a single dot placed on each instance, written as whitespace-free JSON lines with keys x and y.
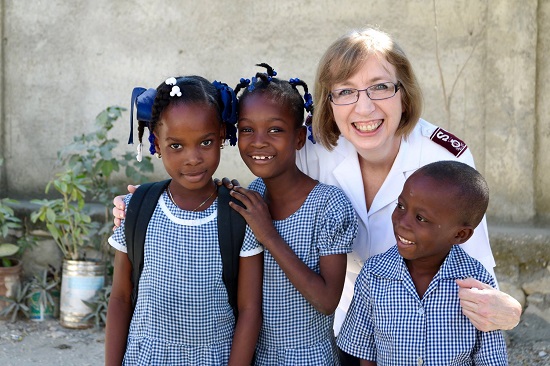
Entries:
{"x":231,"y":228}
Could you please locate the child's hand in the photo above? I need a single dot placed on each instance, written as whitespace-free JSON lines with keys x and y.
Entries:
{"x":256,"y":213}
{"x":229,"y":184}
{"x":118,"y":210}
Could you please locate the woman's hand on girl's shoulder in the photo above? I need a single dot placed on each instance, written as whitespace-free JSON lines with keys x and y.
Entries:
{"x":120,"y":207}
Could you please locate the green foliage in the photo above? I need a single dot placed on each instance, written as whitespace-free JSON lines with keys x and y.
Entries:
{"x":44,"y":285}
{"x":8,"y":220}
{"x":65,"y":218}
{"x":92,"y":155}
{"x":98,"y":304}
{"x":16,"y":304}
{"x":7,"y":250}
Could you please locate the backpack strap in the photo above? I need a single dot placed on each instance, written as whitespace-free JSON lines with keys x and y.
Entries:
{"x":231,"y":228}
{"x":138,"y":214}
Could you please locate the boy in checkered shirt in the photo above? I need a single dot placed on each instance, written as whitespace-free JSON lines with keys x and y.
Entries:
{"x":405,"y":309}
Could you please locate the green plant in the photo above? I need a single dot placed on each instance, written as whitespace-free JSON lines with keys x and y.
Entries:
{"x":7,"y":250}
{"x":16,"y":304}
{"x":92,"y":155}
{"x":65,"y":218}
{"x":89,"y":166}
{"x":98,"y":304}
{"x":10,"y":222}
{"x":44,"y":285}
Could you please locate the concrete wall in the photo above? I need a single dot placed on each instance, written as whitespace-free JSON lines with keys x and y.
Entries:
{"x":483,"y":72}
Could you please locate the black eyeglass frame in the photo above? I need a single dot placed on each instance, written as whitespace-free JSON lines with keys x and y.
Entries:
{"x":397,"y":87}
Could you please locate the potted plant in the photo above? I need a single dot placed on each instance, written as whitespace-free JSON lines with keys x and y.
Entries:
{"x":89,"y":164}
{"x":70,"y":227}
{"x":44,"y":295}
{"x":16,"y":303}
{"x":99,"y":304}
{"x":10,"y":267}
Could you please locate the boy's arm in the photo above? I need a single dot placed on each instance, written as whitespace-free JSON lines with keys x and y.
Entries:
{"x":249,"y":299}
{"x":119,"y":311}
{"x":357,"y":334}
{"x":490,"y":349}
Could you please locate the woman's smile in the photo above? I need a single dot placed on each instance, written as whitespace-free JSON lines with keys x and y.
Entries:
{"x":368,"y":126}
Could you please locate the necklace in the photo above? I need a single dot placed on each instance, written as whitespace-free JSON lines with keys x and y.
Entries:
{"x":199,"y":206}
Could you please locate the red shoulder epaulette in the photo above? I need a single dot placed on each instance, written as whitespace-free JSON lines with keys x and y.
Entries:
{"x":449,"y":141}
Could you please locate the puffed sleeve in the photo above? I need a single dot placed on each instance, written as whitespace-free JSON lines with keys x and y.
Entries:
{"x":251,"y":246}
{"x":338,"y":225}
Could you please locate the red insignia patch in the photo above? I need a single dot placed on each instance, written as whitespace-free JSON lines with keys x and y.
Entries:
{"x":449,"y":141}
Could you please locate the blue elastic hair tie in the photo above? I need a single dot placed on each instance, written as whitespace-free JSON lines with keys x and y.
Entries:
{"x":229,"y":112}
{"x":152,"y":149}
{"x":252,"y":83}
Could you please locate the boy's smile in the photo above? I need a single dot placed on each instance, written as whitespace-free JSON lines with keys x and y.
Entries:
{"x":425,"y":221}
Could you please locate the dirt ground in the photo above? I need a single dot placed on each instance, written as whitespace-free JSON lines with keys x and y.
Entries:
{"x":47,"y":343}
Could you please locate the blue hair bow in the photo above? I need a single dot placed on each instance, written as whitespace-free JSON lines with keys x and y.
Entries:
{"x":143,"y":100}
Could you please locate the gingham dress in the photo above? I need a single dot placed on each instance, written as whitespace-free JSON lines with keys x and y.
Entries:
{"x":293,"y":332}
{"x":388,"y":323}
{"x":182,"y":315}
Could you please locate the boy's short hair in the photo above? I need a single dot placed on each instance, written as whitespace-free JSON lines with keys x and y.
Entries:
{"x":468,"y":189}
{"x":342,"y":60}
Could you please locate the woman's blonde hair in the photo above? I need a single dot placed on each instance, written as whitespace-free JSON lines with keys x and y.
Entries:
{"x":342,"y":60}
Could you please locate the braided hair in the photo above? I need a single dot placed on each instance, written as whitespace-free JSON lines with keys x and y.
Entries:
{"x":284,"y":92}
{"x":186,"y":90}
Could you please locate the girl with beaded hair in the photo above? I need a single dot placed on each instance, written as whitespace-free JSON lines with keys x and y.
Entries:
{"x":182,"y":315}
{"x":305,"y":227}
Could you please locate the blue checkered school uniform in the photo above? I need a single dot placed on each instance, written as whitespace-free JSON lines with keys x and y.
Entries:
{"x":293,"y":332}
{"x":388,"y":323}
{"x":182,"y":315}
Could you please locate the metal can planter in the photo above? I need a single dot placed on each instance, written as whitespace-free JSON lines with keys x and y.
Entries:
{"x":80,"y":280}
{"x":38,"y":311}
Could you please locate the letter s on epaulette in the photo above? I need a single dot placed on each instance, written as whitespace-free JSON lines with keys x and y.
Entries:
{"x":449,"y":141}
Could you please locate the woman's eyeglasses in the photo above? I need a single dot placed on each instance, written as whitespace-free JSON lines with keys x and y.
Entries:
{"x":374,"y":92}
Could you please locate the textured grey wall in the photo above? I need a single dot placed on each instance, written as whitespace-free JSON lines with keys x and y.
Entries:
{"x":482,"y":73}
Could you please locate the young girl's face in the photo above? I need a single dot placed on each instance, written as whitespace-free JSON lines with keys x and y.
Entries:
{"x":268,"y":136}
{"x":189,"y":137}
{"x":425,"y":221}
